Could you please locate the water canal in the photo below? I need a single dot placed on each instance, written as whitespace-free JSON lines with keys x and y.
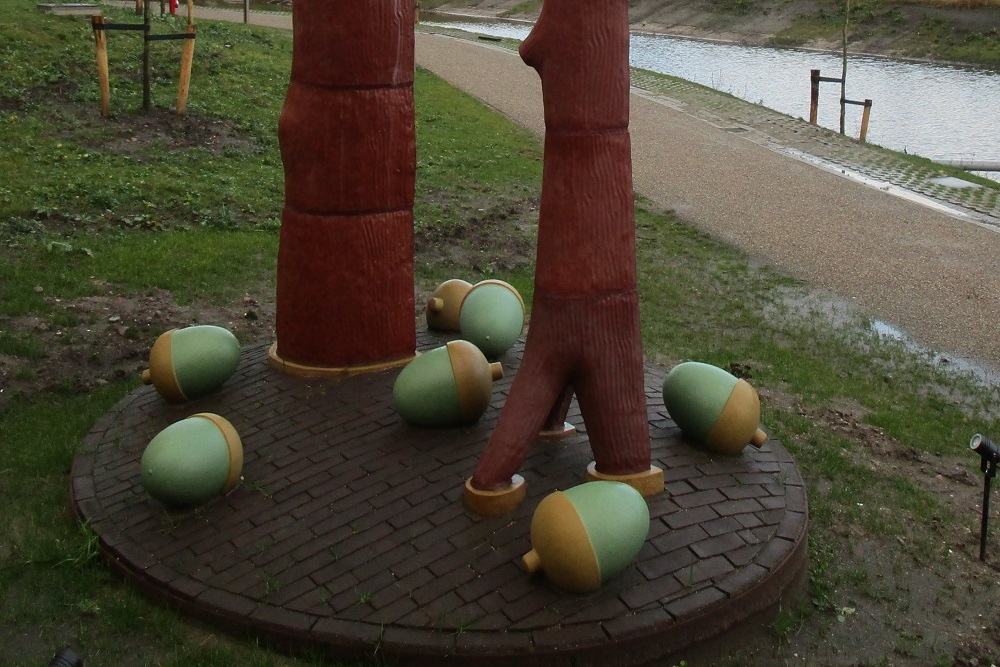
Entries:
{"x":942,"y":112}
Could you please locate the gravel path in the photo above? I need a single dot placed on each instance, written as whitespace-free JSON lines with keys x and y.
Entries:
{"x":928,"y":272}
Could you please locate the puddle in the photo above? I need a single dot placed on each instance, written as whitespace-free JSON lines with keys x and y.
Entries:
{"x":989,"y":377}
{"x":846,"y":316}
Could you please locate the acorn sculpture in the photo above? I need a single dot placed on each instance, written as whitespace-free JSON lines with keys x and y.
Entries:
{"x":447,"y":386}
{"x":187,"y":363}
{"x":492,"y":316}
{"x":713,"y":407}
{"x":444,"y":304}
{"x":192,"y":460}
{"x":584,"y":536}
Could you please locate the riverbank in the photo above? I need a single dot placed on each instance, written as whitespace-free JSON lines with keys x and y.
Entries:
{"x":938,"y":33}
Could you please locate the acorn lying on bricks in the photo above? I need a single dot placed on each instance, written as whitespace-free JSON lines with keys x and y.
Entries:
{"x":192,"y":460}
{"x":492,"y":316}
{"x":713,"y":407}
{"x":584,"y":536}
{"x":443,"y":306}
{"x":447,"y":386}
{"x":187,"y":363}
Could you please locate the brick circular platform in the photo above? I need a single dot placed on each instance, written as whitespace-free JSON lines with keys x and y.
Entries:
{"x":348,"y":530}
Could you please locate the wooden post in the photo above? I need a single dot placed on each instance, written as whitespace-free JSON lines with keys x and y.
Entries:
{"x":813,"y":96}
{"x":187,"y":56}
{"x":146,"y":103}
{"x":138,"y":7}
{"x":843,"y":73}
{"x":190,"y":4}
{"x":246,"y":11}
{"x":102,"y":63}
{"x":416,"y":12}
{"x":864,"y":120}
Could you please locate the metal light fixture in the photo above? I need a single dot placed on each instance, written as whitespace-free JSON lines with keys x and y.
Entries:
{"x":66,"y":658}
{"x":989,"y":455}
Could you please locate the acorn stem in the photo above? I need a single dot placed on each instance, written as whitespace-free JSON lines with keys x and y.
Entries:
{"x":496,"y":369}
{"x":531,"y":561}
{"x":759,"y":438}
{"x":147,"y":378}
{"x":435,"y":304}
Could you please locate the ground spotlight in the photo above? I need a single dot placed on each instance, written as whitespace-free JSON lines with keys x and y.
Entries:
{"x":986,"y":448}
{"x":989,"y":457}
{"x":66,"y":658}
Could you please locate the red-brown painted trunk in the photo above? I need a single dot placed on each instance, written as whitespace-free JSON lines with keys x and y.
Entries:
{"x":584,"y":328}
{"x":345,"y":263}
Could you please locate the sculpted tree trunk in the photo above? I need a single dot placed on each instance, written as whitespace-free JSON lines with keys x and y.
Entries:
{"x":584,"y":329}
{"x":345,"y":261}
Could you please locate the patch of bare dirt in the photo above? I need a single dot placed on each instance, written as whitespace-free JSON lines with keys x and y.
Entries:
{"x":496,"y":235}
{"x":173,"y":133}
{"x":922,"y":598}
{"x":91,"y":341}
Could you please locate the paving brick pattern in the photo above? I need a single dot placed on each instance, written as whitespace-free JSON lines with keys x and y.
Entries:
{"x":348,"y":531}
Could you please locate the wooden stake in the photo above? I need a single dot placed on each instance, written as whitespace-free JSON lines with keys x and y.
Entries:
{"x":187,"y":56}
{"x":843,"y":74}
{"x":138,"y":7}
{"x":146,"y":98}
{"x":102,"y":63}
{"x":190,"y":4}
{"x":813,"y":96}
{"x":864,"y":120}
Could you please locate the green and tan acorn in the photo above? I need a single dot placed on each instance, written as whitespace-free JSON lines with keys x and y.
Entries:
{"x":445,"y":303}
{"x":492,"y":317}
{"x":713,"y":407}
{"x":192,"y":460}
{"x":188,"y":363}
{"x":448,"y":386}
{"x":584,"y":536}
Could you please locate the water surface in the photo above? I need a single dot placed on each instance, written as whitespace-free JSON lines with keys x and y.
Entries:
{"x":942,"y":112}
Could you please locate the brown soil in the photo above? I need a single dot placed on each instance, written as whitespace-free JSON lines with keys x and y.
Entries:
{"x":923,"y":598}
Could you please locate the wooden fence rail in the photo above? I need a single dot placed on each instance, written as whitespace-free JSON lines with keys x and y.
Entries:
{"x":815,"y":80}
